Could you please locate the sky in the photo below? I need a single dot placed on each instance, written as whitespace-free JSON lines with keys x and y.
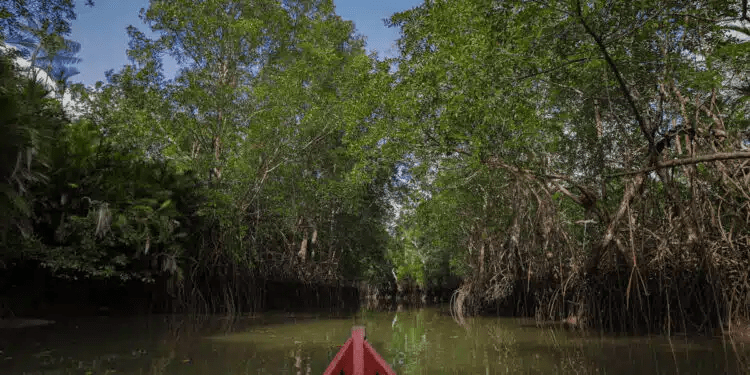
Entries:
{"x":101,"y":31}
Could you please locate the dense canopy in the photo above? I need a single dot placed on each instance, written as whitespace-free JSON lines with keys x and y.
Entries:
{"x":551,"y":158}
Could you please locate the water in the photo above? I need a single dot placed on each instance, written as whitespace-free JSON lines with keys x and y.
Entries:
{"x":425,"y":341}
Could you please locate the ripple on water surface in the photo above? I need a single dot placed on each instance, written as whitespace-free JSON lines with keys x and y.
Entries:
{"x":424,"y":341}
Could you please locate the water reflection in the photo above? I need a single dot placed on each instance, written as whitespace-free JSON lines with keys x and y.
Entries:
{"x":425,"y":341}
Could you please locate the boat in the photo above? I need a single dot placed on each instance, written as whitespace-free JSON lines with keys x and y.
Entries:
{"x":357,"y":357}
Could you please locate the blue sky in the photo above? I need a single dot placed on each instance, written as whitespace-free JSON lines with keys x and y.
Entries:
{"x":101,"y":31}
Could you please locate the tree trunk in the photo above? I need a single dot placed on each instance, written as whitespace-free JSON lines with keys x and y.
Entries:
{"x":303,"y":247}
{"x":598,"y":251}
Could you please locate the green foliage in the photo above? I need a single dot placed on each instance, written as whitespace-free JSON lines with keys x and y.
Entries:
{"x":29,"y":122}
{"x":265,"y":109}
{"x":76,"y":202}
{"x":516,"y":120}
{"x":57,"y":14}
{"x":113,"y":216}
{"x":502,"y":130}
{"x":38,"y":29}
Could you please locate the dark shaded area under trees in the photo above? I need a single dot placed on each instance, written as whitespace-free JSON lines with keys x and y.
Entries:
{"x":587,"y":161}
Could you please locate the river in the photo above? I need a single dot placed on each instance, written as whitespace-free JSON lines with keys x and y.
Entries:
{"x":419,"y":341}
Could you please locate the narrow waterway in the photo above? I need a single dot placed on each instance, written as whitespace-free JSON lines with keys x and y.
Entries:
{"x":423,"y":341}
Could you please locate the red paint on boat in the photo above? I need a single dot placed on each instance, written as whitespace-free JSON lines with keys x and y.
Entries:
{"x":357,"y":357}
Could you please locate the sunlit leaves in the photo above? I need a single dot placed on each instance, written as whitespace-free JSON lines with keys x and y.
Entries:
{"x":562,"y":87}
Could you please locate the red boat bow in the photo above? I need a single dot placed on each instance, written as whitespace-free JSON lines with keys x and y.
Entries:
{"x":357,"y":357}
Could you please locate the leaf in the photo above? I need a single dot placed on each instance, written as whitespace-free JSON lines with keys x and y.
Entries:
{"x":165,"y":204}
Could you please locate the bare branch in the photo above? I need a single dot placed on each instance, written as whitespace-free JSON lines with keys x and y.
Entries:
{"x":598,"y":251}
{"x":695,"y":160}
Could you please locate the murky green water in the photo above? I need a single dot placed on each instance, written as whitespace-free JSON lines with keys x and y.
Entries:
{"x":425,"y":341}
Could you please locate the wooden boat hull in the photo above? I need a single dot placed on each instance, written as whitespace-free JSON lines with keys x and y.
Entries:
{"x":357,"y":357}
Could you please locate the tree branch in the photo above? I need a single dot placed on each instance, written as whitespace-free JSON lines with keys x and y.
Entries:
{"x":587,"y":199}
{"x":695,"y":160}
{"x":550,"y":70}
{"x":631,"y":190}
{"x":623,"y":86}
